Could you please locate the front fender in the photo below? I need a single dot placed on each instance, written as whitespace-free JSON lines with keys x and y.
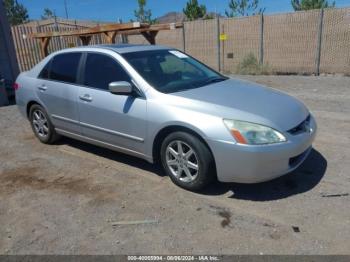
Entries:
{"x":161,"y":116}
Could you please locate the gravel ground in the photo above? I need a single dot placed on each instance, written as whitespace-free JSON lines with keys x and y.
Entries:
{"x":68,"y":198}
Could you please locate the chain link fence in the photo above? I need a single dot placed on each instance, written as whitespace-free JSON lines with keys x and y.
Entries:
{"x":310,"y":42}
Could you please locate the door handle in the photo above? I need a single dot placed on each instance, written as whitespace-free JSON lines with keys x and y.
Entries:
{"x":86,"y":98}
{"x":42,"y":88}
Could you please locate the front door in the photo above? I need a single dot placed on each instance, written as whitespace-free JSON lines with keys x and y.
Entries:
{"x":117,"y":120}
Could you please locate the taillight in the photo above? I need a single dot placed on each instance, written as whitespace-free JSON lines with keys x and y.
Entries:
{"x":15,"y":86}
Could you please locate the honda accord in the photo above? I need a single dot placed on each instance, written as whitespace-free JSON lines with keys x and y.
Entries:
{"x":160,"y":104}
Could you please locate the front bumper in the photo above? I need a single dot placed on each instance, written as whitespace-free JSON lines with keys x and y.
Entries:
{"x":254,"y":164}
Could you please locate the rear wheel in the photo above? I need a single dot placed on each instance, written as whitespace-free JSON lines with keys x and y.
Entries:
{"x":41,"y":125}
{"x":187,"y":161}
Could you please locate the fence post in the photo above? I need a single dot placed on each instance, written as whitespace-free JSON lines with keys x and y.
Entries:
{"x":183,"y":37}
{"x":319,"y":42}
{"x":77,"y":38}
{"x":218,"y":47}
{"x":57,"y":30}
{"x":261,"y":53}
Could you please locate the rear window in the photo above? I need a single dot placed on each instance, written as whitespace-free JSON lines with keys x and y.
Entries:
{"x":64,"y":67}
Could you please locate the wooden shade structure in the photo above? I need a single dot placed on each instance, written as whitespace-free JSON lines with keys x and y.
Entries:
{"x":110,"y":30}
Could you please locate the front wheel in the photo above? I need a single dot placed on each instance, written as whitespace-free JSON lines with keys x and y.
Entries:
{"x":187,"y":161}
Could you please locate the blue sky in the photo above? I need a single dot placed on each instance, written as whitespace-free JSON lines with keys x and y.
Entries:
{"x":112,"y":10}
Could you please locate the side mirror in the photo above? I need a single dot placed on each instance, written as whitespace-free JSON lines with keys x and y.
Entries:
{"x":120,"y":88}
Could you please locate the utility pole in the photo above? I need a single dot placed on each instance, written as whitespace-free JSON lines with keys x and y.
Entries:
{"x":65,"y":8}
{"x":319,"y":42}
{"x":218,"y":44}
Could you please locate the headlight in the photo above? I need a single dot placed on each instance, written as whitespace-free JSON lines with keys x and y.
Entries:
{"x":253,"y":134}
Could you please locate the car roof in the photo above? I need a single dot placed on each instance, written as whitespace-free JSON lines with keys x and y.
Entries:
{"x":123,"y":48}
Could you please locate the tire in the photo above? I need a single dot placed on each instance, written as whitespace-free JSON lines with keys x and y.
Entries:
{"x":41,"y":125}
{"x":199,"y":162}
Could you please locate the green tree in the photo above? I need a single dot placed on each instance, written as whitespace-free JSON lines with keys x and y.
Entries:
{"x":210,"y":16}
{"x":299,"y":5}
{"x":142,"y":14}
{"x":48,"y":13}
{"x":15,"y":12}
{"x":243,"y":8}
{"x":195,"y":11}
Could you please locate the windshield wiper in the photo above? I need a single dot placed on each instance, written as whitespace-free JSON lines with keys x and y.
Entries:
{"x":214,"y":80}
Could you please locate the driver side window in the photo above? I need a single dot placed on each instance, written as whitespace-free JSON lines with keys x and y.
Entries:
{"x":101,"y":70}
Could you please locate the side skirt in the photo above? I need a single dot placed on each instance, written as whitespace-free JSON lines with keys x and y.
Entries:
{"x":104,"y":144}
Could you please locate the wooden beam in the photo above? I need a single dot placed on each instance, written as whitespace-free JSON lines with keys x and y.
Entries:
{"x":170,"y":26}
{"x":150,"y":36}
{"x":148,"y":31}
{"x":92,"y":30}
{"x":85,"y":39}
{"x":44,"y":44}
{"x":158,"y":27}
{"x":111,"y":36}
{"x":128,"y":28}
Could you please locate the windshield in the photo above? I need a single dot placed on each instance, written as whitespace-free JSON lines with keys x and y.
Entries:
{"x":171,"y":71}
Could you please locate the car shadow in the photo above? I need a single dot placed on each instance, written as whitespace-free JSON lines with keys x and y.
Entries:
{"x":303,"y":179}
{"x":112,"y":155}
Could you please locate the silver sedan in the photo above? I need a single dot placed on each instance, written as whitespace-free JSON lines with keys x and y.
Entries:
{"x":160,"y":104}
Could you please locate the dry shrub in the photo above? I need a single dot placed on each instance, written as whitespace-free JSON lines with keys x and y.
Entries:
{"x":251,"y":66}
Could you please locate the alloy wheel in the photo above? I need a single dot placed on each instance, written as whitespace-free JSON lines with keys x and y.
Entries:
{"x":182,"y":161}
{"x":40,"y":123}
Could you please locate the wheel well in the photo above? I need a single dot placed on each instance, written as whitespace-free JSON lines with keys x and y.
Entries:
{"x":162,"y":134}
{"x":29,"y":105}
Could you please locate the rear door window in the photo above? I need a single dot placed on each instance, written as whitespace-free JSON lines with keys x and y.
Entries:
{"x":101,"y":70}
{"x":64,"y":67}
{"x":44,"y":74}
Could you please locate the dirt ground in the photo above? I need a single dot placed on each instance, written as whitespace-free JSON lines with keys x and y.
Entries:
{"x":70,"y":198}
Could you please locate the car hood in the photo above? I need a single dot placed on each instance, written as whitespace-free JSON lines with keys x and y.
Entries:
{"x":243,"y":100}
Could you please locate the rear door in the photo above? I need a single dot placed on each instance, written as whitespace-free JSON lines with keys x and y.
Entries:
{"x":57,"y":89}
{"x":118,"y":120}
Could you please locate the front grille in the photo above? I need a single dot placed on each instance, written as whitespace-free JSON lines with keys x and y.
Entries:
{"x":301,"y":128}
